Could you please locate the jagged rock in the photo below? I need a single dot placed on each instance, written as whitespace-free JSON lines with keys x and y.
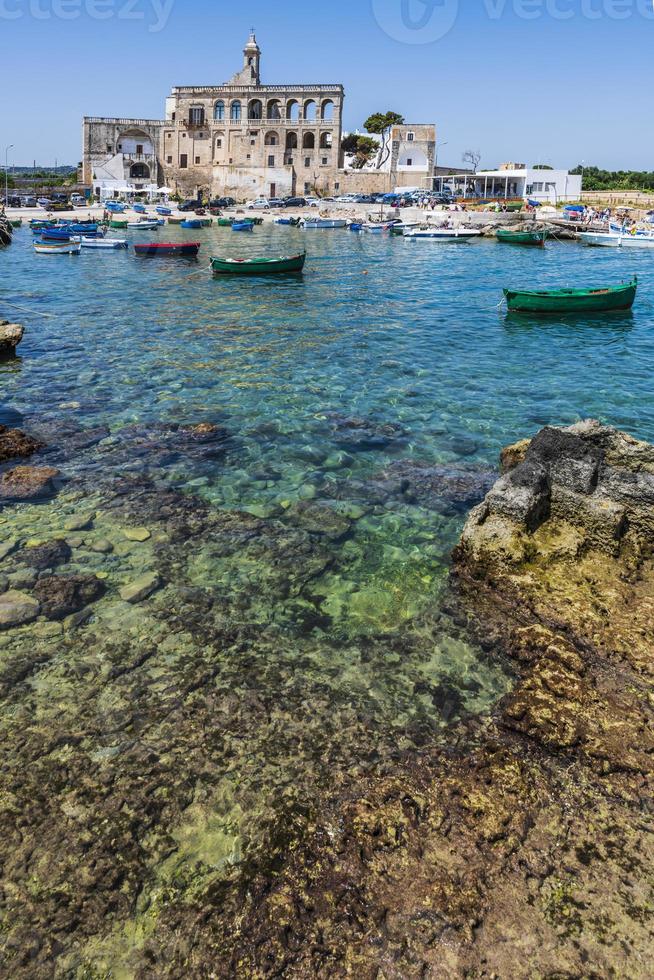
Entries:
{"x":11,"y":335}
{"x":15,"y":444}
{"x":60,"y":596}
{"x":17,"y":608}
{"x":47,"y":555}
{"x":28,"y":483}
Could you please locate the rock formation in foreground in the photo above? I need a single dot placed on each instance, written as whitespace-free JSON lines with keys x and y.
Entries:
{"x":523,"y":849}
{"x":11,"y":335}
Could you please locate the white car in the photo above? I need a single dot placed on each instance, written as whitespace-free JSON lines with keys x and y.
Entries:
{"x":260,"y":204}
{"x":313,"y":202}
{"x":347,"y":199}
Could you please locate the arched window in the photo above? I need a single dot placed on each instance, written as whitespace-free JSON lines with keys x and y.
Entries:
{"x":293,"y":110}
{"x":327,"y":110}
{"x":255,"y":109}
{"x":196,"y":115}
{"x":271,"y":139}
{"x":139,"y":171}
{"x":310,"y":110}
{"x":325,"y":141}
{"x":219,"y":111}
{"x":273,"y":111}
{"x":309,"y":141}
{"x":235,"y":111}
{"x":291,"y":141}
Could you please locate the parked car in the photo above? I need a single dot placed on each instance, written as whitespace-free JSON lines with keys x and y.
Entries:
{"x":28,"y":201}
{"x":59,"y":206}
{"x":190,"y":205}
{"x":314,"y":202}
{"x":295,"y":202}
{"x":347,"y":199}
{"x":77,"y":200}
{"x":275,"y":202}
{"x":60,"y":198}
{"x":12,"y":201}
{"x":223,"y":202}
{"x":259,"y":204}
{"x":44,"y":202}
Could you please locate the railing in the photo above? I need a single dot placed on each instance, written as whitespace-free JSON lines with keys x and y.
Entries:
{"x":269,"y":123}
{"x":293,"y":90}
{"x":123,"y":122}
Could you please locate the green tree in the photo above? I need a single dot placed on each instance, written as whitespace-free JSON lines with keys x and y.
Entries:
{"x":380,"y":124}
{"x":596,"y":179}
{"x":360,"y":147}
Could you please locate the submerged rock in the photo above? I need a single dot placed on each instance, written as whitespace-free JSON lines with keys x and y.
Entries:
{"x":140,"y":588}
{"x":360,"y":435}
{"x":28,"y":483}
{"x":60,"y":596}
{"x":47,"y":555}
{"x":434,"y":485}
{"x":15,"y":444}
{"x":17,"y":608}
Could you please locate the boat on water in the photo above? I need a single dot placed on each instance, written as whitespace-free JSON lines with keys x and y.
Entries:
{"x":118,"y":223}
{"x":509,"y":237}
{"x":176,"y":221}
{"x":140,"y":208}
{"x":141,"y":225}
{"x":377,"y":227}
{"x":16,"y":222}
{"x":108,"y":243}
{"x":71,"y":247}
{"x":355,"y":226}
{"x":602,"y":300}
{"x":192,"y":223}
{"x":613,"y":239}
{"x":285,"y":221}
{"x":444,"y":234}
{"x":185,"y":249}
{"x":207,"y":222}
{"x":225,"y":222}
{"x":243,"y":226}
{"x":324,"y":223}
{"x":259,"y":267}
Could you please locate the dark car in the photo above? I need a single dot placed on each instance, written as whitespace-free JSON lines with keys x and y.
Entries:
{"x":190,"y":206}
{"x":59,"y":198}
{"x":13,"y":201}
{"x":223,"y":202}
{"x":295,"y":202}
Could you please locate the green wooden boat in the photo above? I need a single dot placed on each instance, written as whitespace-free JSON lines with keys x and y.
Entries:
{"x":604,"y":300}
{"x":537,"y":238}
{"x":207,"y":222}
{"x":15,"y":222}
{"x":225,"y":222}
{"x":258,"y":267}
{"x":118,"y":223}
{"x":175,"y":221}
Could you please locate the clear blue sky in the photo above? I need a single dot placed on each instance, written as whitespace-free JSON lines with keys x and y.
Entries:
{"x":518,"y":79}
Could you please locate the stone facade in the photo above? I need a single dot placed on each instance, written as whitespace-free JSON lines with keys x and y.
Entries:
{"x":242,"y":139}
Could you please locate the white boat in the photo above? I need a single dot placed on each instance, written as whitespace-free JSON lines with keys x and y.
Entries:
{"x":377,"y":227}
{"x":613,"y":239}
{"x":444,"y":234}
{"x":112,"y":243}
{"x":72,"y":247}
{"x":143,"y":225}
{"x":324,"y":223}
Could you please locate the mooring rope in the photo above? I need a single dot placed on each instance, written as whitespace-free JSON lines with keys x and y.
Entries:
{"x":24,"y":309}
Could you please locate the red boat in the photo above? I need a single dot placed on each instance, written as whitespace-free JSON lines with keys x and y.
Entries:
{"x":168,"y":248}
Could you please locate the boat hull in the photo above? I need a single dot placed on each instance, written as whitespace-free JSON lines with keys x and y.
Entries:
{"x":258,"y":267}
{"x":326,"y":223}
{"x":534,"y":238}
{"x":175,"y":249}
{"x":58,"y":248}
{"x":442,"y":235}
{"x":110,"y":244}
{"x":613,"y":240}
{"x":566,"y":301}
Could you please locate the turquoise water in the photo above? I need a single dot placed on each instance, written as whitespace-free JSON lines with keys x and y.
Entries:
{"x":302,"y":634}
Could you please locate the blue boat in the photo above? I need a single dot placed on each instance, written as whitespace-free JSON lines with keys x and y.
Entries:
{"x":54,"y":234}
{"x":191,"y":223}
{"x":243,"y":226}
{"x":356,"y":226}
{"x":160,"y":209}
{"x":115,"y":207}
{"x":140,"y":208}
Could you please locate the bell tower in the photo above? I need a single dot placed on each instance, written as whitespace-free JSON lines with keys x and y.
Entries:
{"x":252,"y":59}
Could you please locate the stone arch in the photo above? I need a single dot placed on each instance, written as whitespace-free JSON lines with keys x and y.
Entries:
{"x":129,"y":139}
{"x":139,"y":171}
{"x":326,"y":141}
{"x":327,"y":110}
{"x":291,"y":141}
{"x":219,"y":145}
{"x":309,"y":141}
{"x":310,"y":109}
{"x":293,"y":110}
{"x":235,"y":110}
{"x":255,"y":109}
{"x":274,"y":109}
{"x":272,"y":139}
{"x":219,"y":110}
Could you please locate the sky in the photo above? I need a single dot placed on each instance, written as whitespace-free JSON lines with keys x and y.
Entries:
{"x":532,"y":81}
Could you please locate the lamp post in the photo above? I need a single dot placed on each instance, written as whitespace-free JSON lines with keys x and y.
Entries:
{"x":7,"y":149}
{"x":436,"y":149}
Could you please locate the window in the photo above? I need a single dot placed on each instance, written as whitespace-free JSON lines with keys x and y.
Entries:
{"x":337,"y":186}
{"x":139,"y":149}
{"x":235,"y":111}
{"x":120,"y":146}
{"x":183,"y":161}
{"x":108,"y":147}
{"x":271,"y":161}
{"x":183,"y":136}
{"x":169,"y":159}
{"x":219,"y":111}
{"x":249,"y":156}
{"x":410,"y":137}
{"x":253,"y":142}
{"x":168,"y":135}
{"x":307,"y":187}
{"x":197,"y":160}
{"x":307,"y":161}
{"x":409,"y":162}
{"x":173,"y":116}
{"x":196,"y":116}
{"x":219,"y":144}
{"x":325,"y":161}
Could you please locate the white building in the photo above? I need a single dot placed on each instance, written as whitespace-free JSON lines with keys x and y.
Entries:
{"x":512,"y":182}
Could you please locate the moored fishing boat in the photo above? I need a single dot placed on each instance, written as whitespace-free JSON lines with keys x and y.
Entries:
{"x":175,"y":221}
{"x":140,"y":208}
{"x":115,"y":207}
{"x":509,"y":237}
{"x":192,"y":223}
{"x":243,"y":226}
{"x":118,"y":223}
{"x":186,"y":249}
{"x":161,"y":209}
{"x":141,"y":225}
{"x":602,"y":300}
{"x":377,"y":227}
{"x":206,"y":222}
{"x":107,"y":243}
{"x":324,"y":223}
{"x":16,"y":222}
{"x":614,"y":239}
{"x":225,"y":222}
{"x":444,"y":234}
{"x":259,"y":267}
{"x":71,"y":247}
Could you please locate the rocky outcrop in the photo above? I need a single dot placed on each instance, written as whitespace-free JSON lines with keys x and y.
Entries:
{"x":28,"y":483}
{"x":15,"y":444}
{"x":11,"y":335}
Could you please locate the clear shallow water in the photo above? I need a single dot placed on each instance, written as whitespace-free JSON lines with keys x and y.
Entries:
{"x":356,"y":661}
